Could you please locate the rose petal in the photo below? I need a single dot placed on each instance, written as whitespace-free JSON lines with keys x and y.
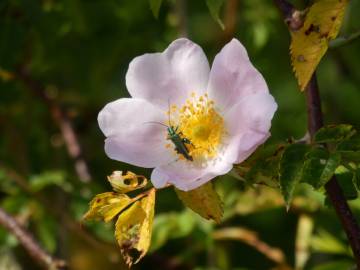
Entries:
{"x":171,"y":76}
{"x":248,"y":123}
{"x":186,"y":177}
{"x":251,"y":112}
{"x":131,"y":136}
{"x":232,"y":76}
{"x":242,"y":146}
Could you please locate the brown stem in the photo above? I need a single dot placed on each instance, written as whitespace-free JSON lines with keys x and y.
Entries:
{"x":28,"y":242}
{"x":63,"y":122}
{"x":333,"y":190}
{"x":180,"y":10}
{"x":230,"y":19}
{"x":315,"y":122}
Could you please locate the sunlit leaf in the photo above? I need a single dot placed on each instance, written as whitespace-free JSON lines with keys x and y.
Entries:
{"x":106,"y":206}
{"x":203,"y":200}
{"x":155,"y":7}
{"x":125,"y":182}
{"x":134,"y":227}
{"x":310,"y":43}
{"x":346,"y":180}
{"x":215,"y":7}
{"x":334,"y":133}
{"x":291,"y":166}
{"x":326,"y":242}
{"x":319,"y":167}
{"x":335,"y":265}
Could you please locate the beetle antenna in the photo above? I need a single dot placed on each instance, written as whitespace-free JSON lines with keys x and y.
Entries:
{"x":153,"y":122}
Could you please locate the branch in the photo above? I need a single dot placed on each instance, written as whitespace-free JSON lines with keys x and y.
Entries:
{"x":251,"y":238}
{"x":345,"y":40}
{"x":62,"y":120}
{"x":333,"y":190}
{"x":292,"y":17}
{"x":315,"y":122}
{"x":57,"y":212}
{"x":28,"y":242}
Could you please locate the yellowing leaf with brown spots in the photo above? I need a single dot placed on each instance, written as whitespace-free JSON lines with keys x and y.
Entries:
{"x":310,"y":42}
{"x":125,"y":182}
{"x":106,"y":206}
{"x":134,"y":227}
{"x":203,"y":200}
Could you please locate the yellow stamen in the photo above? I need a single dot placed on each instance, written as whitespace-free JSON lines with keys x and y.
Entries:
{"x":202,"y":125}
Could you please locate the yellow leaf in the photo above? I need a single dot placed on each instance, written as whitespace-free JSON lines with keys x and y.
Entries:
{"x":106,"y":206}
{"x":134,"y":227}
{"x":129,"y":181}
{"x":203,"y":200}
{"x":310,"y":42}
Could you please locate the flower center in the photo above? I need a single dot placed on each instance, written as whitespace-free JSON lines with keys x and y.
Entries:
{"x":201,"y":125}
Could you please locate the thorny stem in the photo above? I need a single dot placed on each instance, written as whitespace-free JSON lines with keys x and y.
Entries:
{"x":28,"y":242}
{"x":333,"y":190}
{"x":315,"y":122}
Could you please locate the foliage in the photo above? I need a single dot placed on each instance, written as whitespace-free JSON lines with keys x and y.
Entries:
{"x":310,"y":42}
{"x":75,"y":55}
{"x":135,"y":216}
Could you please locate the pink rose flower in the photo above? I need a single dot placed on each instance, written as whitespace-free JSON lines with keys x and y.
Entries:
{"x":220,"y":115}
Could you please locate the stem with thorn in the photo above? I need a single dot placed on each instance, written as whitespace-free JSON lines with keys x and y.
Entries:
{"x":315,"y":122}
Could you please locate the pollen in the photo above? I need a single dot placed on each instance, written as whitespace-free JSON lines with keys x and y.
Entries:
{"x":203,"y":126}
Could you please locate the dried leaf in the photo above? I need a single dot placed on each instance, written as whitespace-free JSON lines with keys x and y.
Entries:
{"x":129,"y":181}
{"x":203,"y":200}
{"x":310,"y":42}
{"x":106,"y":206}
{"x":133,"y":229}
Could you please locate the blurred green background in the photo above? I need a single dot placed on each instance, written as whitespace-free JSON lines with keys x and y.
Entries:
{"x":61,"y":61}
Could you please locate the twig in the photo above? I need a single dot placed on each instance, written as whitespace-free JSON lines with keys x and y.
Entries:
{"x":333,"y":190}
{"x":181,"y":10}
{"x":28,"y":242}
{"x":57,"y":212}
{"x":249,"y":237}
{"x":230,"y":19}
{"x":61,"y":119}
{"x":344,"y":40}
{"x":315,"y":122}
{"x":292,"y":17}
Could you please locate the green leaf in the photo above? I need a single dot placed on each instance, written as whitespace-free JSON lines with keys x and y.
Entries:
{"x":203,"y":200}
{"x":319,"y":167}
{"x":214,"y":8}
{"x":291,"y":166}
{"x":334,"y":133}
{"x":346,"y":180}
{"x":155,"y":7}
{"x":335,"y":265}
{"x":325,"y":242}
{"x":171,"y":225}
{"x":48,"y":178}
{"x":350,"y":149}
